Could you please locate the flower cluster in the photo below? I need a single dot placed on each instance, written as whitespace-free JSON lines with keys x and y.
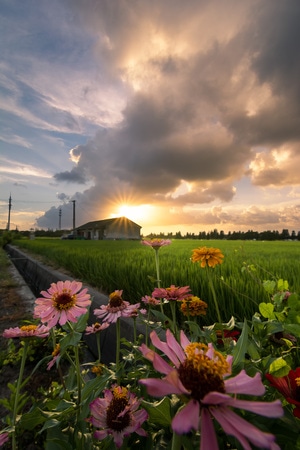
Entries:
{"x":207,"y":389}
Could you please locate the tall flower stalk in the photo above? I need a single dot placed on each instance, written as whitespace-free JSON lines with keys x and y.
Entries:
{"x":17,"y":393}
{"x":209,"y":258}
{"x":156,"y":244}
{"x":214,"y":296}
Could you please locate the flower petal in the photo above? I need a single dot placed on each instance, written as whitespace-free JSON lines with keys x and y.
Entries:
{"x":164,"y":347}
{"x":243,"y":384}
{"x":159,"y":388}
{"x":187,"y":418}
{"x":208,"y":434}
{"x":267,"y":409}
{"x":241,"y":429}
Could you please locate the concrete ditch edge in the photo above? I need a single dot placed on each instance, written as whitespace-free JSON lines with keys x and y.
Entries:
{"x":39,"y":277}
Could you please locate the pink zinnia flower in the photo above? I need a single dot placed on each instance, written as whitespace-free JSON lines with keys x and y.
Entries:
{"x":156,"y":243}
{"x":289,"y":387}
{"x":27,"y":331}
{"x":151,"y":301}
{"x":172,"y":293}
{"x":96,"y":328}
{"x":197,"y":372}
{"x":117,"y":414}
{"x":62,"y":302}
{"x":4,"y":437}
{"x":116,"y":307}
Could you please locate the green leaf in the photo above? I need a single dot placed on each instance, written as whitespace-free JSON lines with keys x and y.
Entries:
{"x":293,"y":328}
{"x":282,"y":285}
{"x":159,"y":412}
{"x":240,"y":349}
{"x":267,"y":310}
{"x":31,"y":419}
{"x":81,"y":323}
{"x":279,"y":367}
{"x":71,"y":339}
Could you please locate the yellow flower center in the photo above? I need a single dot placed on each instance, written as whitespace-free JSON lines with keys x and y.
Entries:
{"x":28,"y":328}
{"x":115,"y":408}
{"x":115,"y":301}
{"x":56,"y":350}
{"x":297,"y":381}
{"x":200,"y":374}
{"x":64,"y":300}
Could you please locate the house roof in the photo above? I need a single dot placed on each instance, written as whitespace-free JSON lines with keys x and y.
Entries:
{"x":105,"y":223}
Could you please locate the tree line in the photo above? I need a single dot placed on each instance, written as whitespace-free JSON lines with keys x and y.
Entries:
{"x":234,"y":235}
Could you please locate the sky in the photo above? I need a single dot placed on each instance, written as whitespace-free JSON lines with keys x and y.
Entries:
{"x":180,"y":115}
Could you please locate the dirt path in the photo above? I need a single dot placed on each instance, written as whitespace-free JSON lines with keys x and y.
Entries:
{"x":16,"y":305}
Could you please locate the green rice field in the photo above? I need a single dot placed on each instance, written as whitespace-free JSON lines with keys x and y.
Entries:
{"x":128,"y":265}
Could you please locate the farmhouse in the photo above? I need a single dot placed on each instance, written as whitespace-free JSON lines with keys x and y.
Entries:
{"x":117,"y":228}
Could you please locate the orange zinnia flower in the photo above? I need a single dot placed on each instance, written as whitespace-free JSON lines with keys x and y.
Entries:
{"x":207,"y":256}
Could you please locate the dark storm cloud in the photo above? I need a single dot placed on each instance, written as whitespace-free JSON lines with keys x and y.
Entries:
{"x":73,"y":176}
{"x":212,"y":96}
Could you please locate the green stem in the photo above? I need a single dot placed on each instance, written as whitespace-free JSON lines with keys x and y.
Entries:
{"x":173,"y":305}
{"x":15,"y":410}
{"x":176,"y":442}
{"x":78,"y":375}
{"x":158,"y":276}
{"x":118,"y":338}
{"x":134,"y":331}
{"x":98,"y":345}
{"x":147,"y":326}
{"x":211,"y":285}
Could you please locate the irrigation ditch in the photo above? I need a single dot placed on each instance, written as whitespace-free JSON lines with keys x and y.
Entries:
{"x":39,"y":277}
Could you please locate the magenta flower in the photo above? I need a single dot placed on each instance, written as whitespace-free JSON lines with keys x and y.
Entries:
{"x":96,"y":328}
{"x":4,"y":437}
{"x":117,"y":414}
{"x":156,"y":243}
{"x":116,"y":307}
{"x":27,"y":331}
{"x":62,"y":302}
{"x":172,"y":293}
{"x":199,"y":374}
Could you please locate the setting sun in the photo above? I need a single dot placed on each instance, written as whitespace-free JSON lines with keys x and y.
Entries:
{"x":134,"y":213}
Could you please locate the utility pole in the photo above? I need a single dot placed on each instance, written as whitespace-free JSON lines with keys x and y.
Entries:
{"x":73,"y":201}
{"x":59,"y":220}
{"x":9,"y":208}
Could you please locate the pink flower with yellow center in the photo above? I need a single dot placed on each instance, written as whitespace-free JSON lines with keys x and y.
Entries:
{"x":96,"y":328}
{"x":116,"y":307}
{"x":27,"y":331}
{"x":210,"y":257}
{"x":117,"y":414}
{"x":289,"y":387}
{"x":63,"y":301}
{"x":172,"y":293}
{"x":151,"y":301}
{"x":199,"y":374}
{"x":156,"y":243}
